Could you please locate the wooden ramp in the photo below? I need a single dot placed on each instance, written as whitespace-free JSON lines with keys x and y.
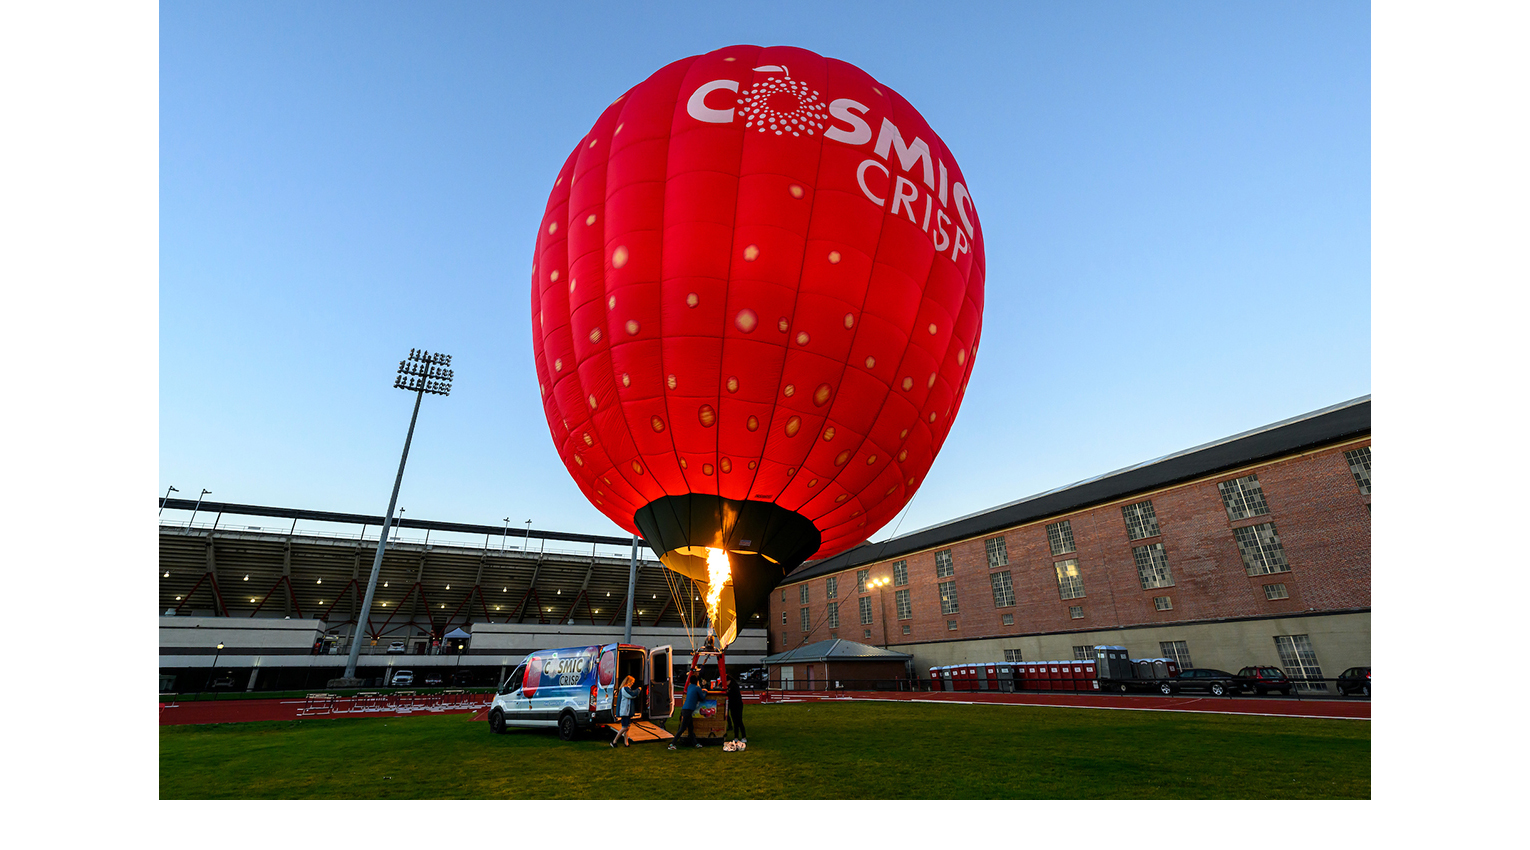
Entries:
{"x":642,"y":731}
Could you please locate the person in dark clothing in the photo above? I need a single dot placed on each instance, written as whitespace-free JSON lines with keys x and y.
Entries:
{"x":626,"y":706}
{"x":736,"y":710}
{"x":693,"y":697}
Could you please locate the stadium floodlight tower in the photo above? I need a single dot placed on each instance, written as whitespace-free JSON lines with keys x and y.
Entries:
{"x":422,"y":373}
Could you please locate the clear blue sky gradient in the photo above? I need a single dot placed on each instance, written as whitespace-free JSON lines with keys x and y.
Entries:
{"x":1175,"y":196}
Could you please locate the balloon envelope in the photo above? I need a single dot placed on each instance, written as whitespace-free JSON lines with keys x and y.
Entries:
{"x":756,"y":300}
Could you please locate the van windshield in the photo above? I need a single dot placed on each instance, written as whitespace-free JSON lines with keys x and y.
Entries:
{"x":513,"y":683}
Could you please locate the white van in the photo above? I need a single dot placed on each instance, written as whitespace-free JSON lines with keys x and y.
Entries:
{"x":573,"y":688}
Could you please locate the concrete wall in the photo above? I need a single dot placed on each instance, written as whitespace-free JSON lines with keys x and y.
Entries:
{"x":239,"y":635}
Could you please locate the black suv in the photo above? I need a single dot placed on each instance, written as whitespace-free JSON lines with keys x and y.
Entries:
{"x":1355,"y":680}
{"x":1262,"y":680}
{"x":1215,"y":682}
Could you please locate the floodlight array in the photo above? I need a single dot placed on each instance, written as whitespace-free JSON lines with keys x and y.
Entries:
{"x":425,"y":372}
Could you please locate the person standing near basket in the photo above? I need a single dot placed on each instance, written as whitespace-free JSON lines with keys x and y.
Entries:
{"x":736,"y":710}
{"x":626,"y":707}
{"x":693,"y":697}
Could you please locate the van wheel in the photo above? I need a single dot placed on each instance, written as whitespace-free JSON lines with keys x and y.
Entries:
{"x":568,"y":727}
{"x":497,"y":722}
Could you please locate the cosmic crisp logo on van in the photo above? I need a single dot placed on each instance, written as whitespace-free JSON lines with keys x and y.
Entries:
{"x":568,"y":670}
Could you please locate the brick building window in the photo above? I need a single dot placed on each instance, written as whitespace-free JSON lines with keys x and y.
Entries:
{"x":948,"y":597}
{"x":1003,"y":589}
{"x":900,"y":573}
{"x":1261,"y":550}
{"x":783,"y":618}
{"x":943,"y":566}
{"x":1360,"y":467}
{"x":1276,"y":591}
{"x":998,"y":554}
{"x":1297,"y":656}
{"x":1152,"y":566}
{"x":833,"y":615}
{"x":1243,"y":497}
{"x":866,"y":634}
{"x":1177,"y":650}
{"x":1007,"y":619}
{"x":950,"y":625}
{"x":1083,"y":653}
{"x":865,"y":610}
{"x":860,"y":580}
{"x":807,"y":620}
{"x":1141,"y":521}
{"x":905,"y":629}
{"x":1012,"y":656}
{"x":905,"y":608}
{"x":1070,"y":585}
{"x":1076,"y":612}
{"x":1163,"y":603}
{"x":831,"y":587}
{"x":802,"y":594}
{"x":1060,"y":537}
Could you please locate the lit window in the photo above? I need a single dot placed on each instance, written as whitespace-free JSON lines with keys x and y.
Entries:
{"x":1070,"y":585}
{"x":831,"y":587}
{"x":1141,"y":521}
{"x":1060,"y":537}
{"x":1243,"y":497}
{"x":948,"y":597}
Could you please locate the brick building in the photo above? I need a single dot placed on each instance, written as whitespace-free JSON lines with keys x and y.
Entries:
{"x":1254,"y":549}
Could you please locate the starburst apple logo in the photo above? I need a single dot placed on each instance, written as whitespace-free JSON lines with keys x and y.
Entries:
{"x":782,"y":105}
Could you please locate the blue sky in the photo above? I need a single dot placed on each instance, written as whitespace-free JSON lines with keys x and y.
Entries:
{"x":1176,"y":200}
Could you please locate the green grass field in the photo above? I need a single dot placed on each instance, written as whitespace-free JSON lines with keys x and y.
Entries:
{"x":843,"y":750}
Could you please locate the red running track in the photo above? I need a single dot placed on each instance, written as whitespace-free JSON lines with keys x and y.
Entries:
{"x":242,"y":711}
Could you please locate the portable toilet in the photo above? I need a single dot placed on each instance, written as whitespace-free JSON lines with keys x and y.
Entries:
{"x":990,"y":677}
{"x":1044,"y":675}
{"x":1092,"y":679}
{"x":1173,"y":667}
{"x":1143,"y":668}
{"x":1113,"y":662}
{"x":1075,"y":676}
{"x":947,"y":680}
{"x":1160,"y":668}
{"x":1006,"y":678}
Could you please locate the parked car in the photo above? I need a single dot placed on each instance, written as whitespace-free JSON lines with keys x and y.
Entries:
{"x":224,"y":681}
{"x":1200,"y":679}
{"x":462,"y":678}
{"x":403,"y":678}
{"x":754,"y":678}
{"x":433,"y":679}
{"x":1355,"y":680}
{"x":397,"y":648}
{"x":1262,"y":680}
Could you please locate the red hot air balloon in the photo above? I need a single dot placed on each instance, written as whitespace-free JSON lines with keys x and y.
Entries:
{"x":756,"y":300}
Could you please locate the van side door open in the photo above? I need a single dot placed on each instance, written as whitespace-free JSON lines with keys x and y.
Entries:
{"x":661,"y":686}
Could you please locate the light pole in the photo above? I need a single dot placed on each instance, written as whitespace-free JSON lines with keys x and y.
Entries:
{"x":399,"y":525}
{"x":423,"y":373}
{"x":197,"y":507}
{"x":214,"y":670}
{"x":166,"y":499}
{"x":505,"y":534}
{"x":528,"y":536}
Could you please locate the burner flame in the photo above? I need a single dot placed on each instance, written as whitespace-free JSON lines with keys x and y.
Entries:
{"x":719,"y":573}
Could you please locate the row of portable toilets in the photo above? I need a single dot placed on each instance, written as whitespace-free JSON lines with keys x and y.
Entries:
{"x":1016,"y":676}
{"x":1008,"y":677}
